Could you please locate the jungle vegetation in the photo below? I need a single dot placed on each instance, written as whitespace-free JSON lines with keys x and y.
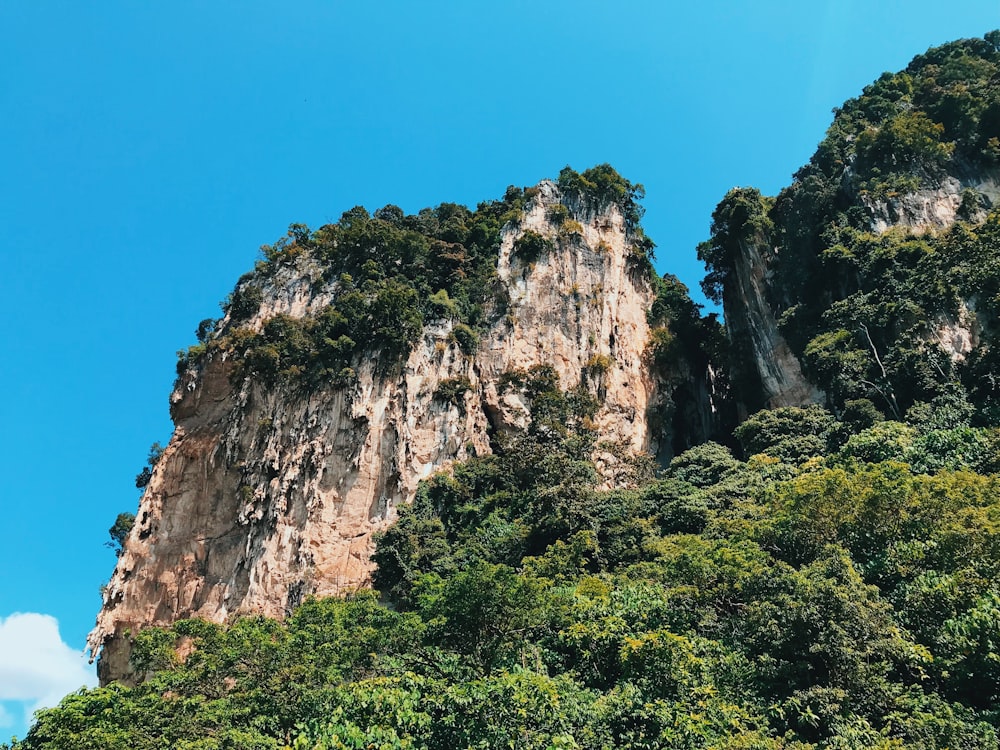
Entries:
{"x":827,"y":578}
{"x":866,"y":310}
{"x":832,"y":583}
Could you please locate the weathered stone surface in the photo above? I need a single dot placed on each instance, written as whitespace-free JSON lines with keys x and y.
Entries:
{"x":750,"y":319}
{"x":934,"y":207}
{"x":264,"y":496}
{"x":750,"y":322}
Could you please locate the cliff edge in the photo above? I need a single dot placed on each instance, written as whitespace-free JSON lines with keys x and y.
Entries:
{"x":272,"y":486}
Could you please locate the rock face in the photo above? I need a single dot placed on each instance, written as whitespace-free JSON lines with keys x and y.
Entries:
{"x":934,"y":207}
{"x":751,"y":325}
{"x":750,"y":317}
{"x":266,"y":495}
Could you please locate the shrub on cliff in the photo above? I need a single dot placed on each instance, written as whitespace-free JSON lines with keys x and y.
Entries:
{"x":828,"y":602}
{"x":386,"y":273}
{"x":864,"y":308}
{"x":531,"y":246}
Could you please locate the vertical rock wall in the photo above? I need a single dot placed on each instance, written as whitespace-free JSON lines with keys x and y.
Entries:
{"x":751,"y":326}
{"x":266,"y":495}
{"x":750,"y":319}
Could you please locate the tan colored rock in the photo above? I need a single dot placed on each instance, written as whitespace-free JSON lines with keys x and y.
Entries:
{"x":958,"y":334}
{"x":930,"y":208}
{"x":264,"y":496}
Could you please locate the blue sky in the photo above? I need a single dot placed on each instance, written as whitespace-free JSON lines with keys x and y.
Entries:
{"x":149,"y":149}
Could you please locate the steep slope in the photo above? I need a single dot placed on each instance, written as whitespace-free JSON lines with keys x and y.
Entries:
{"x":766,"y":371}
{"x":857,"y":281}
{"x":839,"y":587}
{"x":323,"y":398}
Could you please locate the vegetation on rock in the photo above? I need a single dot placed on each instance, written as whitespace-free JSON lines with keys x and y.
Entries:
{"x":865,"y":310}
{"x":831,"y":579}
{"x":388,"y":274}
{"x":815,"y":594}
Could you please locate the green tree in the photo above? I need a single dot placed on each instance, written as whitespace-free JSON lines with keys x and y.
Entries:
{"x":486,"y":612}
{"x":119,"y":532}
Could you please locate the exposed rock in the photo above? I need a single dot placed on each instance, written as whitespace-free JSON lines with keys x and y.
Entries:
{"x":934,"y":207}
{"x":958,"y":335}
{"x":750,"y":318}
{"x":267,"y":495}
{"x":750,"y":323}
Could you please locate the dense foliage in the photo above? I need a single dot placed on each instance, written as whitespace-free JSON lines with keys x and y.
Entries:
{"x":868,"y":312}
{"x":686,"y":348}
{"x":389,"y":273}
{"x":839,"y":588}
{"x":386,"y":274}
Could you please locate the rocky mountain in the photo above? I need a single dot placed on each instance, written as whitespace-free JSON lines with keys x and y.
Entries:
{"x":865,"y":278}
{"x":283,"y":467}
{"x":600,"y":519}
{"x":356,"y":361}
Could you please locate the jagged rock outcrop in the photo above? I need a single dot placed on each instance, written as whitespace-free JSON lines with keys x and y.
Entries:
{"x":268,"y":494}
{"x":937,"y":206}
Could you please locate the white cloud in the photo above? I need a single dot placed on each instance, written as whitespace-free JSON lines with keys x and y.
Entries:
{"x":36,"y":667}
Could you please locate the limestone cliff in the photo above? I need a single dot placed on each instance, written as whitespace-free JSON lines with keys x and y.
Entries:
{"x":968,"y":196}
{"x":936,"y":206}
{"x":822,"y":284}
{"x":755,"y":297}
{"x":751,"y":325}
{"x":266,"y":494}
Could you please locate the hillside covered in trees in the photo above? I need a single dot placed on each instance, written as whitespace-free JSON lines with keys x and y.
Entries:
{"x":825,"y":575}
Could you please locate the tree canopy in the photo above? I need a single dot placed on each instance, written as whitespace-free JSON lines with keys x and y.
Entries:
{"x":837,"y":587}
